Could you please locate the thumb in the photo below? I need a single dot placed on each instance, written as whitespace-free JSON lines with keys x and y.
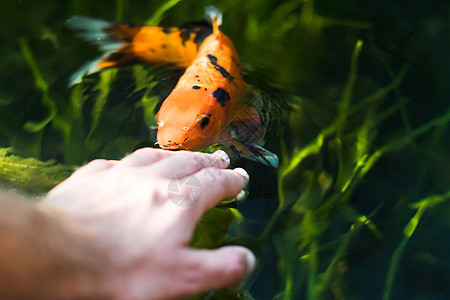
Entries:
{"x":219,"y":268}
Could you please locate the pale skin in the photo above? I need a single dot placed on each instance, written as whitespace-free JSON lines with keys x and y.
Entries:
{"x":111,"y":231}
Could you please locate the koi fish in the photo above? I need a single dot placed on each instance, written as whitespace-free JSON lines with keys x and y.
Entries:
{"x":206,"y":106}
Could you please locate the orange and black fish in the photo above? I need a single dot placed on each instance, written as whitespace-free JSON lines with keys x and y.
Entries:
{"x":206,"y":106}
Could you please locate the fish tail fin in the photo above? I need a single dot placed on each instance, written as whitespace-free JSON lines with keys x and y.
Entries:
{"x":252,"y":151}
{"x":112,"y":38}
{"x":214,"y":16}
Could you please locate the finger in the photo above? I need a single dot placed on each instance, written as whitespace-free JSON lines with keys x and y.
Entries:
{"x":202,"y":191}
{"x":185,"y":163}
{"x":193,"y":195}
{"x":204,"y":270}
{"x":218,"y":185}
{"x":145,"y":157}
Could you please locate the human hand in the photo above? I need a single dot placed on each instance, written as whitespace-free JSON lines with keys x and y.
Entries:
{"x":123,"y":209}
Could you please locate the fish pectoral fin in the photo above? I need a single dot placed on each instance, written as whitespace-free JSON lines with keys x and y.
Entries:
{"x":252,"y":151}
{"x":246,"y":126}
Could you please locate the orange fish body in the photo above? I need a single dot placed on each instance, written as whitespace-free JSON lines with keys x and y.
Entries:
{"x":201,"y":107}
{"x":206,"y":105}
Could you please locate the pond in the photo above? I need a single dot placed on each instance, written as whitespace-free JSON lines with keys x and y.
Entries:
{"x":353,"y":97}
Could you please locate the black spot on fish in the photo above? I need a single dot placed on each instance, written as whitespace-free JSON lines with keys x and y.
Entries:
{"x":206,"y":89}
{"x":185,"y":35}
{"x":167,"y":30}
{"x":222,"y":70}
{"x":200,"y":29}
{"x":204,"y":122}
{"x":164,"y":46}
{"x":196,"y":87}
{"x":201,"y":35}
{"x":222,"y":96}
{"x":212,"y":59}
{"x":123,"y":32}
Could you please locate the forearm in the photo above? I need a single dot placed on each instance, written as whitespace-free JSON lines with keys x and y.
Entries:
{"x":42,"y":257}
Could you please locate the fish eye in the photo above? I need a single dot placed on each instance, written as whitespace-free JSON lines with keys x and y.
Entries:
{"x":200,"y":117}
{"x":204,"y":120}
{"x":185,"y":128}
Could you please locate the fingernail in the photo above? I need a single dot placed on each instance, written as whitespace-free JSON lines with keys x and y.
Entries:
{"x":241,"y":195}
{"x":247,"y":254}
{"x":250,"y":259}
{"x":243,"y":173}
{"x":223,"y":155}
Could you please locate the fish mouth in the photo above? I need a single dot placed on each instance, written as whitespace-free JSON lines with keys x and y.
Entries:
{"x":172,"y":145}
{"x":175,"y":146}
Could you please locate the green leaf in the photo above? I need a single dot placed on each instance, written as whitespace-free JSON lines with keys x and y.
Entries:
{"x":158,"y":15}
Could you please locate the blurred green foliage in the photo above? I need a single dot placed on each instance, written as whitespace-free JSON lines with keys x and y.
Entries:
{"x":358,"y":208}
{"x":29,"y":174}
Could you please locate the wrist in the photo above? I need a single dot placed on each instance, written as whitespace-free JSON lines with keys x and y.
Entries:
{"x":76,"y":266}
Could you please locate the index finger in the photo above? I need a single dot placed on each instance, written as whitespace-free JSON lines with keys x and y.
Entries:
{"x":144,"y":157}
{"x":218,"y":185}
{"x":185,"y":163}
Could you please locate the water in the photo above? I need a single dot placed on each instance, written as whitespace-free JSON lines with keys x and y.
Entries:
{"x":357,"y":99}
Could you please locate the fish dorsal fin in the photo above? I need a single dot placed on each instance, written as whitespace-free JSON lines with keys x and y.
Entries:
{"x":213,"y":16}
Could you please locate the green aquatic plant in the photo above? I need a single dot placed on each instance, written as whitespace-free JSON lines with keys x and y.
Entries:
{"x":158,"y":15}
{"x":321,"y":200}
{"x":408,"y":231}
{"x":29,"y":174}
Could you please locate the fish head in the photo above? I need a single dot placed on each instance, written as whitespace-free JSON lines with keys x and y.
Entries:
{"x":186,"y":121}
